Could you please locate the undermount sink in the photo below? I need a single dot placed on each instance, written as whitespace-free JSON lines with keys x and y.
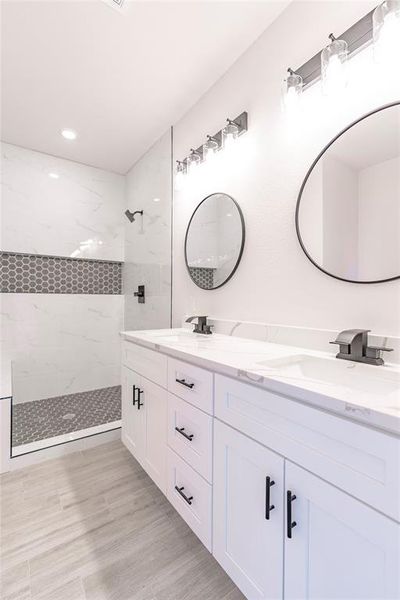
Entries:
{"x":178,"y":337}
{"x":357,"y":376}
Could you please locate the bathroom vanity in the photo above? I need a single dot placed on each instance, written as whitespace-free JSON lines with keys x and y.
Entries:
{"x":283,"y":461}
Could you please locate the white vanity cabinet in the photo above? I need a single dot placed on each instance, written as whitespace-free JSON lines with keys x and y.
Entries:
{"x":144,"y":424}
{"x":132,"y":421}
{"x":167,"y":425}
{"x":294,"y":502}
{"x":248,"y":513}
{"x":340,"y":548}
{"x":316,"y":542}
{"x":332,"y":544}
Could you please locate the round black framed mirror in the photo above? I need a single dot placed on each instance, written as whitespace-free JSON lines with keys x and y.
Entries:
{"x":214,"y":241}
{"x":348,"y":208}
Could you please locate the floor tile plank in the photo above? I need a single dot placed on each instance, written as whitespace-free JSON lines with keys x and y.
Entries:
{"x":93,"y":526}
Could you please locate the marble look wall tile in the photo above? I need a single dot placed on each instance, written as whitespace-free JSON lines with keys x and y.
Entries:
{"x":78,"y":214}
{"x":154,"y":314}
{"x":148,"y":239}
{"x":61,"y":344}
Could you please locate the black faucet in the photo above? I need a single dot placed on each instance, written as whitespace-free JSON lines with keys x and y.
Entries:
{"x":201,"y":326}
{"x":353,"y":345}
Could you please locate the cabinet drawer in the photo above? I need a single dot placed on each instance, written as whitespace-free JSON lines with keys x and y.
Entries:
{"x":359,"y":460}
{"x":193,"y":384}
{"x":148,"y":363}
{"x":190,"y":435}
{"x":196,"y":508}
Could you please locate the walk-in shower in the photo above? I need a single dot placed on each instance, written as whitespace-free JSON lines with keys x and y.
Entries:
{"x":70,"y":265}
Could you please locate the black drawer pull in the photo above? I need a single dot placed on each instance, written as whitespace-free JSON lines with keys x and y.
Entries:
{"x":139,"y":404}
{"x":184,"y":382}
{"x":268,"y":506}
{"x":290,"y":524}
{"x":180,"y":491}
{"x":134,"y":388}
{"x":182,"y":432}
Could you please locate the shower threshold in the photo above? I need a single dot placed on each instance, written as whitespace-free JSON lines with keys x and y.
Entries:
{"x":40,"y":424}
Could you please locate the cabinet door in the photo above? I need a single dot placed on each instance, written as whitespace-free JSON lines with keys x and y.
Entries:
{"x":247,"y":541}
{"x":340,"y":548}
{"x":154,"y":404}
{"x":133,"y":421}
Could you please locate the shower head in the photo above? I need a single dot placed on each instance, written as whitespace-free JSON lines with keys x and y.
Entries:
{"x":131,"y":215}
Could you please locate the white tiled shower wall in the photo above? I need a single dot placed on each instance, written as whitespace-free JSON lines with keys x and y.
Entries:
{"x":60,"y":343}
{"x":148,"y":239}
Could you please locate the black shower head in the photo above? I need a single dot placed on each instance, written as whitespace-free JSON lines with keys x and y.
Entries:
{"x":131,"y":215}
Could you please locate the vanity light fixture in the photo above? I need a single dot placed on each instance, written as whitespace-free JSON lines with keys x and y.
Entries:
{"x":210,"y":148}
{"x":222,"y":139}
{"x":229,"y":134}
{"x":293,"y":89}
{"x":193,"y":160}
{"x":386,"y":31}
{"x":333,"y":66}
{"x":180,"y":174}
{"x":69,"y":134}
{"x":380,"y":26}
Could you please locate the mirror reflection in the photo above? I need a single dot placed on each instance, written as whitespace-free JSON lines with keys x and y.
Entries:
{"x":214,"y":241}
{"x":348,"y":213}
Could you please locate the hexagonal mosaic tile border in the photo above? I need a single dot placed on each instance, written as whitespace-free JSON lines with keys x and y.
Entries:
{"x":38,"y":274}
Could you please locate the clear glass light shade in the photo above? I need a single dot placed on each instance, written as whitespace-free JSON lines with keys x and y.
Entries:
{"x":334,"y":67}
{"x":210,"y":148}
{"x":229,"y":134}
{"x":292,"y":91}
{"x":179,"y":175}
{"x":192,"y":162}
{"x":386,"y":31}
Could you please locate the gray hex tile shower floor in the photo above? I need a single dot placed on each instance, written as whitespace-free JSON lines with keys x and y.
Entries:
{"x":41,"y":419}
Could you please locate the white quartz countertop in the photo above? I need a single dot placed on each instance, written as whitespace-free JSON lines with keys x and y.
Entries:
{"x":366,"y":393}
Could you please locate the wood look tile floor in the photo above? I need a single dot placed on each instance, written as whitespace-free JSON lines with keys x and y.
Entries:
{"x":93,"y":526}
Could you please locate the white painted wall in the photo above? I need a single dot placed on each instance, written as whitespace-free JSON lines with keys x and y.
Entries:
{"x":60,"y":343}
{"x":275,"y":282}
{"x":148,"y":239}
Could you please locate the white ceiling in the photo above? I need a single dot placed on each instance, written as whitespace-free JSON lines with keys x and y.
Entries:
{"x":120,"y":79}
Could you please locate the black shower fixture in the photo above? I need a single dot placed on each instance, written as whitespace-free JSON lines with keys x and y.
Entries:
{"x":131,"y":215}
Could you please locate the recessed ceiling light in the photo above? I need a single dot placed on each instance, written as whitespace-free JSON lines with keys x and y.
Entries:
{"x":69,"y":134}
{"x":54,"y":175}
{"x":156,"y":199}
